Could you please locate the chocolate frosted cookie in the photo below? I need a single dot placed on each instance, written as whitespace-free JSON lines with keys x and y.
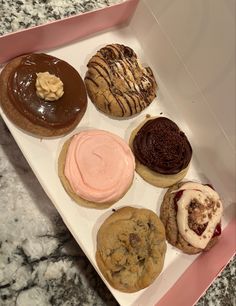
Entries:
{"x":191,"y":213}
{"x":42,"y":95}
{"x":131,"y":248}
{"x":117,"y":83}
{"x":162,"y":151}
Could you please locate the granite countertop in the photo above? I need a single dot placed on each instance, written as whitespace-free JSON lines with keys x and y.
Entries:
{"x":39,"y":259}
{"x":22,"y":14}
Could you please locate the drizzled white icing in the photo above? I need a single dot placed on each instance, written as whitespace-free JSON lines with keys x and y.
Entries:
{"x":126,"y":71}
{"x":211,"y":213}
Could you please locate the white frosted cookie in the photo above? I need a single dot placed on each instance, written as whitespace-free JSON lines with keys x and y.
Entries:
{"x":191,"y":213}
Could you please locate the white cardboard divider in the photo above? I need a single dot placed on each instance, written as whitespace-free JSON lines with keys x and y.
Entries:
{"x":183,"y":41}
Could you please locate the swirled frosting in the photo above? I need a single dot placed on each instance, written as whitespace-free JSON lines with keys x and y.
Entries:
{"x":162,"y":146}
{"x":199,"y":211}
{"x":99,"y":166}
{"x":48,"y":86}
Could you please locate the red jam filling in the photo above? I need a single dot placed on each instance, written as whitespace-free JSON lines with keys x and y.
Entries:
{"x":178,"y":195}
{"x":217,"y":231}
{"x":201,"y":229}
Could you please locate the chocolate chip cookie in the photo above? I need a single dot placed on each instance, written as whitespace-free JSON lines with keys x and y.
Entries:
{"x":131,"y":248}
{"x":117,"y":83}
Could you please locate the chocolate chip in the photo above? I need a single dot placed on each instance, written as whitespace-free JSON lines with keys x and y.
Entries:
{"x":128,"y":52}
{"x":151,"y":226}
{"x":134,"y":239}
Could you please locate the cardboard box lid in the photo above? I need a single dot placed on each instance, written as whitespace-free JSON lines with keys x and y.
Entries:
{"x":191,"y":44}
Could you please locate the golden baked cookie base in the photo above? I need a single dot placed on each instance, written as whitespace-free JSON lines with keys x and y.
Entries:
{"x":150,"y":176}
{"x":67,"y":186}
{"x":110,"y":93}
{"x":131,"y":248}
{"x":168,"y":216}
{"x":17,"y":118}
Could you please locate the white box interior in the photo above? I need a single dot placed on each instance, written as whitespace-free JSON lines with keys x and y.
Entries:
{"x":191,"y":44}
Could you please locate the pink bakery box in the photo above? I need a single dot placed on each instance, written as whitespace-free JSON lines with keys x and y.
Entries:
{"x":64,"y":31}
{"x":189,"y":46}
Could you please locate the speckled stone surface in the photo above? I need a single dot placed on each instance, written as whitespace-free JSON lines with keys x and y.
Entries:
{"x":22,"y":14}
{"x":40,"y":262}
{"x":223,"y":291}
{"x":39,"y":259}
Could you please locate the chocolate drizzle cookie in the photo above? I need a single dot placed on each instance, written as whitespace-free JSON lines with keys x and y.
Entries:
{"x":131,"y":248}
{"x":42,"y":94}
{"x":191,"y":213}
{"x":117,"y":83}
{"x":162,"y":151}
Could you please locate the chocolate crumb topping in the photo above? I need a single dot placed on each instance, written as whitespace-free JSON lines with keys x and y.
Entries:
{"x":196,"y":217}
{"x":162,"y":146}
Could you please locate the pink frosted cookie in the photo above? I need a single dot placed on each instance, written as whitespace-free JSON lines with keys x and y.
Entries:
{"x":96,"y":168}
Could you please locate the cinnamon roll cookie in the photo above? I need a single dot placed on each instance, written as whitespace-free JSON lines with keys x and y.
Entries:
{"x":42,"y":94}
{"x":117,"y":83}
{"x":131,"y":248}
{"x":162,"y":151}
{"x":191,"y":213}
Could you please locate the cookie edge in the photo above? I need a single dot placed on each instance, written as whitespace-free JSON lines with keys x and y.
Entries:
{"x":126,"y":212}
{"x":150,"y":176}
{"x":21,"y":121}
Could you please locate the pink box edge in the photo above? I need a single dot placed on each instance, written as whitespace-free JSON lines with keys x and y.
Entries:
{"x":220,"y":255}
{"x":60,"y":32}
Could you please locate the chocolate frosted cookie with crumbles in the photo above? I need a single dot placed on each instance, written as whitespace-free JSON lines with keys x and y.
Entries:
{"x":191,"y":213}
{"x":162,"y":151}
{"x":131,"y":248}
{"x":117,"y":83}
{"x":42,"y":94}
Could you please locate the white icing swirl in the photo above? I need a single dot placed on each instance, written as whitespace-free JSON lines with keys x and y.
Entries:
{"x":210,"y":212}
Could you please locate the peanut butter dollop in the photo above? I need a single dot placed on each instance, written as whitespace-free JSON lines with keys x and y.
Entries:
{"x":48,"y":86}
